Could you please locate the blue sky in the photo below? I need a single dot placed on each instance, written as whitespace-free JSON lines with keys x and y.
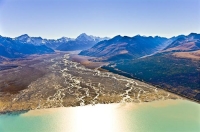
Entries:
{"x":57,"y":18}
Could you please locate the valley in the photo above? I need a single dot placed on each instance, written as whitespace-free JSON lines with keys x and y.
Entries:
{"x":41,"y":77}
{"x":53,"y":80}
{"x":99,"y":66}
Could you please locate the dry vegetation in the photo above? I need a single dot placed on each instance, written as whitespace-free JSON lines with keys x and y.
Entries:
{"x":85,"y":60}
{"x":51,"y":81}
{"x":183,"y":47}
{"x":195,"y":55}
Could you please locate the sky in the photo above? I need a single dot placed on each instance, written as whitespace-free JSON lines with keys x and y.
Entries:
{"x":57,"y":18}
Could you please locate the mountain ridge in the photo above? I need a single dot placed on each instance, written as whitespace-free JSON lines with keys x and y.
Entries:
{"x":185,"y":43}
{"x":124,"y":47}
{"x":133,"y":47}
{"x":12,"y":48}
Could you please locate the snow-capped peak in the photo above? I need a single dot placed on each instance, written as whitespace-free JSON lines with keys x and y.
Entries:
{"x":22,"y":37}
{"x":84,"y":37}
{"x":64,"y":39}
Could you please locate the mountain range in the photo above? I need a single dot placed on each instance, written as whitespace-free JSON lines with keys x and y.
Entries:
{"x":124,"y":47}
{"x":83,"y":41}
{"x":118,"y":47}
{"x":12,"y":48}
{"x":185,"y":43}
{"x":51,"y":43}
{"x":25,"y":45}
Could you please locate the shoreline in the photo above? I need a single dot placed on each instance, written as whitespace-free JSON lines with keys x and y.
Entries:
{"x":19,"y":112}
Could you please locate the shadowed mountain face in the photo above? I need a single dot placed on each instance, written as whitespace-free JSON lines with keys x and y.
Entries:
{"x":83,"y":41}
{"x":12,"y":48}
{"x":126,"y":47}
{"x":75,"y":45}
{"x":185,"y":43}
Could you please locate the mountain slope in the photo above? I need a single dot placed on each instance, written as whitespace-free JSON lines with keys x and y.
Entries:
{"x":176,"y":68}
{"x":125,"y":47}
{"x":185,"y":43}
{"x":178,"y":75}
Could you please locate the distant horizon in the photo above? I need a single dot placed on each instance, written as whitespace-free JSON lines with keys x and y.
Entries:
{"x":96,"y":36}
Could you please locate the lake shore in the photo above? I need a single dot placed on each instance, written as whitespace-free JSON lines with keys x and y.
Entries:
{"x":168,"y":115}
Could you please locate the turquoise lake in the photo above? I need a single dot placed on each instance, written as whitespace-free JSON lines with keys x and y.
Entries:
{"x":158,"y":116}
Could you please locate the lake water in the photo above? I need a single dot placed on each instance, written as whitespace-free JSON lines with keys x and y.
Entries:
{"x":158,"y":116}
